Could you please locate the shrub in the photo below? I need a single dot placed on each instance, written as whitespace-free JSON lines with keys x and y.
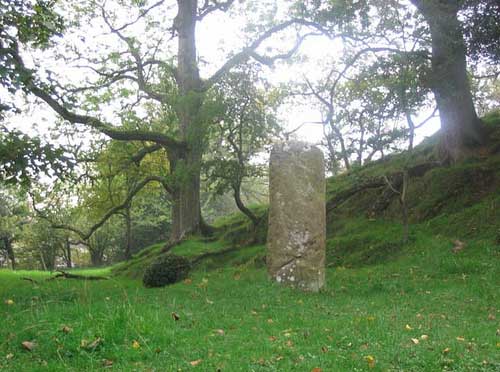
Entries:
{"x":167,"y":270}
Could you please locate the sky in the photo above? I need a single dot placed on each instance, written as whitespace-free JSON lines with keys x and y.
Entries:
{"x":218,"y":35}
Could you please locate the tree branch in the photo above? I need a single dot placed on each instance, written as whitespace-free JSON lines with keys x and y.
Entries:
{"x":93,"y":122}
{"x":209,"y":7}
{"x":250,"y":51}
{"x":141,"y":81}
{"x":116,"y":209}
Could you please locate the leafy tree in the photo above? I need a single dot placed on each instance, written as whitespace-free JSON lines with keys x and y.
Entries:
{"x":460,"y":125}
{"x":23,"y":158}
{"x":42,"y":244}
{"x":169,"y":84}
{"x":13,"y":217}
{"x":381,"y":25}
{"x":246,"y":125}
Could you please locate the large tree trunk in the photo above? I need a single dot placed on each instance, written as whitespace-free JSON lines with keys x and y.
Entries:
{"x":10,"y":252}
{"x":187,"y":162}
{"x":460,"y":127}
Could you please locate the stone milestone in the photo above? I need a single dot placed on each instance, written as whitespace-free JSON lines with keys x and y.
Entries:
{"x":297,"y":216}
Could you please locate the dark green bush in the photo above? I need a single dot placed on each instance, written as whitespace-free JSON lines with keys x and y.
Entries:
{"x":168,"y":269}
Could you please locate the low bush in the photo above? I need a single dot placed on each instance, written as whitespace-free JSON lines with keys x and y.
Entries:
{"x":167,"y":270}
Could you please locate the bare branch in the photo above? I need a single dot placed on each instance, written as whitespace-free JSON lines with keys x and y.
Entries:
{"x":211,"y":6}
{"x":141,"y":15}
{"x":250,"y":51}
{"x":137,"y":158}
{"x":432,"y":115}
{"x":140,"y":80}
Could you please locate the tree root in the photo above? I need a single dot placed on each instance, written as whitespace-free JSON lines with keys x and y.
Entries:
{"x":396,"y":179}
{"x":66,"y":275}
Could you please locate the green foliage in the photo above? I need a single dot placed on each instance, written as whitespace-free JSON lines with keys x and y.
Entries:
{"x":24,"y":159}
{"x":41,"y":245}
{"x":482,"y":29}
{"x":32,"y":23}
{"x":246,"y":125}
{"x":169,"y":269}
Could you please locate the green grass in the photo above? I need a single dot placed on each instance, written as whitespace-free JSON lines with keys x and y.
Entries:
{"x":410,"y":307}
{"x":267,"y":327}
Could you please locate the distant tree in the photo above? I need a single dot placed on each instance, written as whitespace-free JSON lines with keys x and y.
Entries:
{"x":13,"y":217}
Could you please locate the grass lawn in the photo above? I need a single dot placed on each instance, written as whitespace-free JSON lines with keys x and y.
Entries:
{"x":428,"y":310}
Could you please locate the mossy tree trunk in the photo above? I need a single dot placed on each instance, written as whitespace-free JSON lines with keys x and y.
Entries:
{"x":187,"y":161}
{"x":460,"y":125}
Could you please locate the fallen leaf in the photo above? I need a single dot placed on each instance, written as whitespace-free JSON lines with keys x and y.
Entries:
{"x":253,"y":312}
{"x":491,"y":317}
{"x":188,"y":281}
{"x":194,"y":363}
{"x":107,"y":363}
{"x":408,"y":328}
{"x":237,"y":277}
{"x":66,"y":329}
{"x":28,"y":345}
{"x":424,"y":337}
{"x":370,"y":360}
{"x":9,"y":356}
{"x":272,"y":338}
{"x":270,"y":321}
{"x":458,"y":246}
{"x":317,"y":369}
{"x":94,"y":344}
{"x":220,"y":332}
{"x":136,"y":344}
{"x":415,"y":341}
{"x":175,"y":316}
{"x":446,"y":351}
{"x":9,"y":302}
{"x":209,"y":302}
{"x":157,"y":350}
{"x":324,"y":349}
{"x":460,"y":338}
{"x":289,"y":343}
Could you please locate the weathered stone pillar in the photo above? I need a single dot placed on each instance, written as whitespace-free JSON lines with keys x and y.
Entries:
{"x":297,"y":216}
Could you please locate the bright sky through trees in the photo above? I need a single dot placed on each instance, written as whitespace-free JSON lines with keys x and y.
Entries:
{"x":218,"y":35}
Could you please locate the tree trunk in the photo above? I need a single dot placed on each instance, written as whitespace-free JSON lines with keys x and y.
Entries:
{"x":96,"y":257}
{"x":128,"y":233}
{"x":242,"y":207}
{"x":67,"y":254}
{"x":187,"y":163}
{"x":10,"y":252}
{"x":461,"y":128}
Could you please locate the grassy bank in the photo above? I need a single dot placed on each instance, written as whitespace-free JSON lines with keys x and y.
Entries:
{"x":428,"y":310}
